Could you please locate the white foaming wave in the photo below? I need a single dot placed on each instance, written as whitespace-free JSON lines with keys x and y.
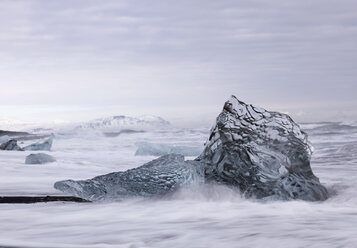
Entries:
{"x":350,"y":123}
{"x":304,"y":126}
{"x":208,"y":192}
{"x":208,"y":215}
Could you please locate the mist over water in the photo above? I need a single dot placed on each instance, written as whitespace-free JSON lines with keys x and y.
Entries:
{"x":199,"y":216}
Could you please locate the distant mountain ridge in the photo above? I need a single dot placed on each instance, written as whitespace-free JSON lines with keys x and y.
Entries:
{"x":112,"y":123}
{"x":123,"y":121}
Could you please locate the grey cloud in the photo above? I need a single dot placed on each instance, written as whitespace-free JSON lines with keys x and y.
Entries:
{"x":289,"y":55}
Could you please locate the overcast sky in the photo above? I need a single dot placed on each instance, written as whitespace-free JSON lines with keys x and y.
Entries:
{"x":73,"y":60}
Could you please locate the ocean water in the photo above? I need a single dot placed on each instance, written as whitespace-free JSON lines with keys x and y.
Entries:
{"x":204,"y":216}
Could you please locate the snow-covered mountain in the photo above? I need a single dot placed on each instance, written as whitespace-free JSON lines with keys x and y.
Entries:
{"x":122,"y":121}
{"x":112,"y":123}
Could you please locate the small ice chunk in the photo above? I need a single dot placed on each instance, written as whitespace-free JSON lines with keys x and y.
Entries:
{"x":151,"y":149}
{"x":39,"y":158}
{"x":10,"y":145}
{"x":44,"y":146}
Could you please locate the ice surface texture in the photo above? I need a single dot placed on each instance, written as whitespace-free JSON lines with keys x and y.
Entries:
{"x":39,"y":158}
{"x":151,"y":149}
{"x":158,"y":177}
{"x":264,"y":154}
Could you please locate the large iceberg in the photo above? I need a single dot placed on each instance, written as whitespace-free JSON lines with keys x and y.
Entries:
{"x":264,"y":154}
{"x":151,"y":149}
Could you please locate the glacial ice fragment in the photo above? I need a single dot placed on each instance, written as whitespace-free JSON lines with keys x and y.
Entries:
{"x":151,"y":149}
{"x":39,"y":158}
{"x":4,"y":138}
{"x":44,"y":146}
{"x":264,"y":154}
{"x":10,"y":145}
{"x":158,"y":177}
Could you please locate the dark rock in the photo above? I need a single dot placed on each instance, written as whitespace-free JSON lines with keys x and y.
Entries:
{"x":13,"y":133}
{"x":37,"y":199}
